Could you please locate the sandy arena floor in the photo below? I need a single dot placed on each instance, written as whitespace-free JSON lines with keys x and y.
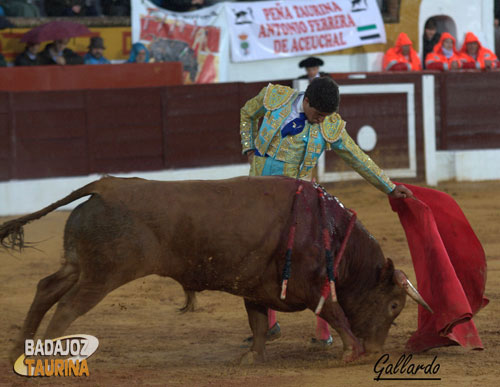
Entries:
{"x":145,"y":341}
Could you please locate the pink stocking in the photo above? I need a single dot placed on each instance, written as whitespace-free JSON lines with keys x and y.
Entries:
{"x":271,"y":318}
{"x":322,"y":329}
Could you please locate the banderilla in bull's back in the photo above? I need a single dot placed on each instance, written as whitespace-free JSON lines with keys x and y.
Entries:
{"x":228,"y":235}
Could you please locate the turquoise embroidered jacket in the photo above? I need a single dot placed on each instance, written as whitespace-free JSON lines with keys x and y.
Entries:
{"x":274,"y":103}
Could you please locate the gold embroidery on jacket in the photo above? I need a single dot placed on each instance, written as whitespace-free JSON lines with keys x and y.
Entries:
{"x":292,"y":148}
{"x":277,"y":96}
{"x":331,"y":127}
{"x":250,"y":114}
{"x":358,"y":160}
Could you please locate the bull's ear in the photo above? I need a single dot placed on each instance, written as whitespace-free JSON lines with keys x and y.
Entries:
{"x":387,"y":271}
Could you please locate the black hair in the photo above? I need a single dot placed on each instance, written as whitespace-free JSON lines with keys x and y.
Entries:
{"x":323,"y":95}
{"x":430,"y":24}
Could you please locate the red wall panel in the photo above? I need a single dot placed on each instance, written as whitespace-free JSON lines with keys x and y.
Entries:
{"x":125,"y":130}
{"x":470,"y":110}
{"x":202,"y":125}
{"x":50,"y":134}
{"x":78,"y":132}
{"x":111,"y":76}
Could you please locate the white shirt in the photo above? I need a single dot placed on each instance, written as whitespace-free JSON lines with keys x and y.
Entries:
{"x":297,"y":108}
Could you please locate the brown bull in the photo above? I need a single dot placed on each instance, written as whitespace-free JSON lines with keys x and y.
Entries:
{"x":228,"y":235}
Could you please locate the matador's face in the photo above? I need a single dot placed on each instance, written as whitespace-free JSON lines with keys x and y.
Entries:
{"x":313,"y":115}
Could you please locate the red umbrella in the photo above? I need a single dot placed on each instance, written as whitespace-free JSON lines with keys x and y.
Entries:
{"x":55,"y":30}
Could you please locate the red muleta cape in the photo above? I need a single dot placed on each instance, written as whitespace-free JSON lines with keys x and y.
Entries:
{"x":450,"y":267}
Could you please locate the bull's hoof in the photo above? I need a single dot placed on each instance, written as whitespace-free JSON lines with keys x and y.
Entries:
{"x":251,"y":358}
{"x":273,"y":333}
{"x":352,"y":354}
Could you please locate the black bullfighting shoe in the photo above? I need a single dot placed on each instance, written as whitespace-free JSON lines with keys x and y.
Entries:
{"x":272,"y":334}
{"x":322,"y":343}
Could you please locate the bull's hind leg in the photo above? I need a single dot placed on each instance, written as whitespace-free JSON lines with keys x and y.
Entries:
{"x":94,"y":283}
{"x":82,"y":297}
{"x":334,"y":314}
{"x":109,"y":249}
{"x":49,"y":290}
{"x":257,"y":317}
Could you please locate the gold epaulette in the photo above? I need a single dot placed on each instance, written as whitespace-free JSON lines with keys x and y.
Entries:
{"x":277,"y":96}
{"x":331,"y":127}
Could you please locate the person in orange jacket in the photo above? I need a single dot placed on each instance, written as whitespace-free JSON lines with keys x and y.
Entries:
{"x":444,"y":56}
{"x":402,"y":57}
{"x":475,"y":56}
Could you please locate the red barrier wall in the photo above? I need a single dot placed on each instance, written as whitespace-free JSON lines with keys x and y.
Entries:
{"x":84,"y":131}
{"x":79,"y":132}
{"x":112,"y":76}
{"x":469,"y":104}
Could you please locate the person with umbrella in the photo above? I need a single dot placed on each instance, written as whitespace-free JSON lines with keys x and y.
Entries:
{"x":59,"y":32}
{"x":57,"y":53}
{"x":29,"y":57}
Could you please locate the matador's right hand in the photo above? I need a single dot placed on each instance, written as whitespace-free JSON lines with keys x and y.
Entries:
{"x":250,"y":154}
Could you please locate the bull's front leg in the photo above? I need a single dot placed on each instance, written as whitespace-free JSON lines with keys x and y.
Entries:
{"x":334,"y":314}
{"x":257,"y":318}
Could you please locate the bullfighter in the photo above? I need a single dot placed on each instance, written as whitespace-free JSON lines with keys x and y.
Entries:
{"x":296,"y":128}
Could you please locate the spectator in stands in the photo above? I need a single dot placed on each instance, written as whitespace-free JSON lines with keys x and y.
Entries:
{"x":312,"y":65}
{"x":402,"y":57}
{"x":444,"y":56}
{"x":63,"y":7}
{"x":116,"y":7}
{"x":181,"y":5}
{"x":72,"y":7}
{"x":19,"y":8}
{"x":57,"y":53}
{"x":96,"y":52}
{"x":138,"y":54}
{"x":4,"y":23}
{"x":431,"y":37}
{"x":475,"y":56}
{"x":29,"y":57}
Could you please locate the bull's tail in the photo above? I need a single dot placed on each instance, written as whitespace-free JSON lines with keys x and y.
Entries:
{"x":190,"y":303}
{"x":12,"y":233}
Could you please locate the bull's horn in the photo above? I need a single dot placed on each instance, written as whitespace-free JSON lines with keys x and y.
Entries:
{"x":400,"y":278}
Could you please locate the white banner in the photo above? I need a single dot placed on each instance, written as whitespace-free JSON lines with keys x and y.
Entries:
{"x":194,"y":38}
{"x":277,"y":29}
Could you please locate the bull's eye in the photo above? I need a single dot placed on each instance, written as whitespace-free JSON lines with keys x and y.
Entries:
{"x":393,"y":309}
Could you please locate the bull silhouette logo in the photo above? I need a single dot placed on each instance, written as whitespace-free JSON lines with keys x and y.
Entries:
{"x":243,"y":17}
{"x":357,"y":5}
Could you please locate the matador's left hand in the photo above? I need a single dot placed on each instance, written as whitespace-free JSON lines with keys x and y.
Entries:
{"x":401,"y":192}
